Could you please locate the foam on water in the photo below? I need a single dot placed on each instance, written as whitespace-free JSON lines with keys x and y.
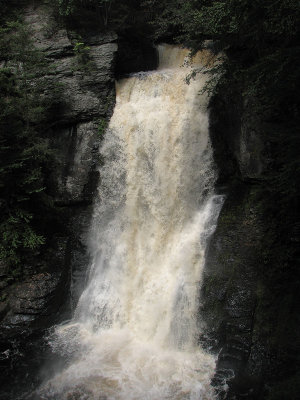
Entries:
{"x":135,"y":330}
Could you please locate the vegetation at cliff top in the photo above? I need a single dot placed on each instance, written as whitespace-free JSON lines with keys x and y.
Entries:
{"x":261,"y":43}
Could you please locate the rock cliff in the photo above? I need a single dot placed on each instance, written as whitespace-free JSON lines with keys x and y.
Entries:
{"x":248,"y":295}
{"x":244,"y":313}
{"x":87,"y":98}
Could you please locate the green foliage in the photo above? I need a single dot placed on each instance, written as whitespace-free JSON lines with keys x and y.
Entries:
{"x":66,"y":7}
{"x":83,"y":59}
{"x":102,"y":125}
{"x":24,"y":153}
{"x":260,"y":41}
{"x":80,"y":48}
{"x":260,"y":38}
{"x":72,"y":8}
{"x":109,"y":15}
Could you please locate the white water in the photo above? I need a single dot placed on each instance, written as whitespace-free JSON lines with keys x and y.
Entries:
{"x":134,"y":333}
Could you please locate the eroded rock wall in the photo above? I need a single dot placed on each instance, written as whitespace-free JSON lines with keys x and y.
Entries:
{"x":55,"y":279}
{"x":248,"y":302}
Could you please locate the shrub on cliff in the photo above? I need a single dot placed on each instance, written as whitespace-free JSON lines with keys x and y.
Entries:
{"x":24,"y":153}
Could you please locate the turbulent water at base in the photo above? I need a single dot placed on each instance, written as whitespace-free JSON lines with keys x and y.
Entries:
{"x":135,"y":330}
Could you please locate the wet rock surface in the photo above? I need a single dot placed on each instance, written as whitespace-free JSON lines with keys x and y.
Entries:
{"x":236,"y":137}
{"x":135,"y":55}
{"x":229,"y":293}
{"x":232,"y":277}
{"x":248,"y":311}
{"x":76,"y":156}
{"x":31,"y":307}
{"x":54,"y":281}
{"x":86,"y":99}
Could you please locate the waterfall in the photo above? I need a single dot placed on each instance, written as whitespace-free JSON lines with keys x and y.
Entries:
{"x":135,"y":330}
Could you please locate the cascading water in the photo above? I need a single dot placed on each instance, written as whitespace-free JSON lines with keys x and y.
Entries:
{"x":134,"y":333}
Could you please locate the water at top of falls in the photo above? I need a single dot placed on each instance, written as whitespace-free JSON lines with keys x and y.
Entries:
{"x":135,"y":329}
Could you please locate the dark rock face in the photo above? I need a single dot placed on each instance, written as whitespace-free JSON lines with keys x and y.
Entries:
{"x":230,"y":292}
{"x":135,"y":57}
{"x":87,"y":96}
{"x":31,"y":307}
{"x":250,"y":147}
{"x":76,"y":152}
{"x":231,"y":283}
{"x":235,"y":130}
{"x":244,"y":306}
{"x":32,"y":298}
{"x":34,"y":301}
